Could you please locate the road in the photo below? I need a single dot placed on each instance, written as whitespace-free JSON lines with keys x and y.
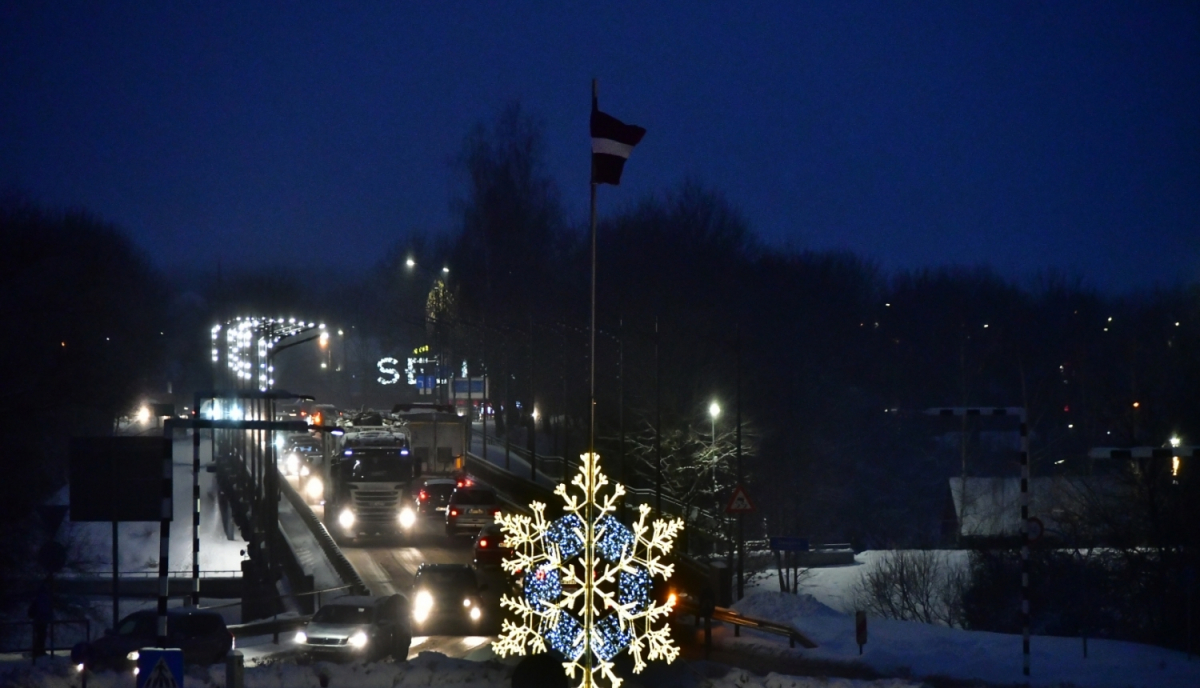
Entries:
{"x":387,"y":568}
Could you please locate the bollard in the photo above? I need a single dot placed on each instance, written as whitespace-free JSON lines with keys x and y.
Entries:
{"x":235,"y":670}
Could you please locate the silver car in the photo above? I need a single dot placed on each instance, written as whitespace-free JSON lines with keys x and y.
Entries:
{"x":470,"y":509}
{"x":358,"y":628}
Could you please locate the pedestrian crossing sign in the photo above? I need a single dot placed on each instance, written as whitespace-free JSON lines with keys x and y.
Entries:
{"x":740,"y":502}
{"x":159,"y":668}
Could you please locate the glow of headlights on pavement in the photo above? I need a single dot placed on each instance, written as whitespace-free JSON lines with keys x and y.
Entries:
{"x":314,"y":488}
{"x":301,"y":637}
{"x":475,"y":613}
{"x":346,"y":518}
{"x":358,"y":640}
{"x":304,"y":471}
{"x":407,"y":518}
{"x":423,"y":605}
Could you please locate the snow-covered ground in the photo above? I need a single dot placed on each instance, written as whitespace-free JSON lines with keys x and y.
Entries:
{"x":90,"y":544}
{"x":824,"y":611}
{"x":427,"y":669}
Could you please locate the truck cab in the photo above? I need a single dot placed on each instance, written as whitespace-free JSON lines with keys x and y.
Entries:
{"x":370,"y":482}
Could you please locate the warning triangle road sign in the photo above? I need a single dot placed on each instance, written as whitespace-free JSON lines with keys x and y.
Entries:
{"x":740,"y":502}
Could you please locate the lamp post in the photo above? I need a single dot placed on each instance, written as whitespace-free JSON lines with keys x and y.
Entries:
{"x":714,"y":410}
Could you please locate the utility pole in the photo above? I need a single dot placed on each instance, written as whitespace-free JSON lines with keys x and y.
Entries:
{"x":532,"y":406}
{"x":737,"y":402}
{"x":658,"y":477}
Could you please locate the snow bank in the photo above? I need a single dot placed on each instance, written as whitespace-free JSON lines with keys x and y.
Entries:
{"x":90,"y":544}
{"x":744,"y":679}
{"x":923,"y":650}
{"x":427,"y":669}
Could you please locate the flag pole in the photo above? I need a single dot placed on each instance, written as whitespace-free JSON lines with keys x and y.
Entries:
{"x":588,"y":610}
{"x":592,"y":398}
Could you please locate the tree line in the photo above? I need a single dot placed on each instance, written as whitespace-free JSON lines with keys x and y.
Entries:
{"x":829,"y":356}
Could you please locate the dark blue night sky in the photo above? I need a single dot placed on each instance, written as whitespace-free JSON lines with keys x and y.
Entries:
{"x":1024,"y":135}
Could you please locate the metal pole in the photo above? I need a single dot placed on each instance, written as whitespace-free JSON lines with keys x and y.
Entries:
{"x":195,"y":517}
{"x":621,"y":407}
{"x":164,"y":540}
{"x":741,"y":522}
{"x":590,"y":550}
{"x":1024,"y":541}
{"x":115,"y":577}
{"x":657,"y":425}
{"x":532,"y":405}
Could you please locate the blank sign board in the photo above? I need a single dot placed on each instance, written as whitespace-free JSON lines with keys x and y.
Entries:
{"x":117,"y":478}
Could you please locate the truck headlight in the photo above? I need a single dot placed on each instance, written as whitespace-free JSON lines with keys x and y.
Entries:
{"x":358,"y":641}
{"x":132,"y":656}
{"x":422,"y":606}
{"x":314,"y":488}
{"x":346,"y":518}
{"x":407,"y":518}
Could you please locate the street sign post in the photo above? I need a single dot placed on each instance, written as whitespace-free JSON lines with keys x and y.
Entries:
{"x":739,"y":502}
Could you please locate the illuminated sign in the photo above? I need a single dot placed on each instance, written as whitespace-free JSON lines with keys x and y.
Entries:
{"x":387,"y":366}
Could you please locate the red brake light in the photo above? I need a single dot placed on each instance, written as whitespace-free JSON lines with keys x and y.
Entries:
{"x":483,"y":542}
{"x":423,"y":496}
{"x":454,"y":512}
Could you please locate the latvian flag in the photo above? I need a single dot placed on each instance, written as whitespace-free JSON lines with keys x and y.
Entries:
{"x":612,"y":142}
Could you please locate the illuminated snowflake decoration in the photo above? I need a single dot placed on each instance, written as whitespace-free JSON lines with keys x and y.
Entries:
{"x":586,"y":581}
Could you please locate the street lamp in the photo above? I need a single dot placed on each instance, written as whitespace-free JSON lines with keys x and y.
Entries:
{"x":714,"y":410}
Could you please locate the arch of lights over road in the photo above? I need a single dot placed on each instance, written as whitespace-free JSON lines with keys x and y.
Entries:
{"x":586,"y":581}
{"x":248,"y":345}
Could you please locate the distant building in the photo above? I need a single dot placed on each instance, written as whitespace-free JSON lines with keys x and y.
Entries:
{"x":990,"y":508}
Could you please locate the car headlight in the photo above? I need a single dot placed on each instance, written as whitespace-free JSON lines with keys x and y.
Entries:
{"x":466,"y":602}
{"x":346,"y":518}
{"x":358,"y":641}
{"x":407,"y":518}
{"x":301,"y":637}
{"x":291,"y":464}
{"x":304,"y":471}
{"x":422,"y":606}
{"x":475,"y":613}
{"x":132,"y":656}
{"x":314,"y":488}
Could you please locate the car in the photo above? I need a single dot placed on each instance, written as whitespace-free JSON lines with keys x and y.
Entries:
{"x":471,"y":508}
{"x":489,"y":546}
{"x":434,"y":495}
{"x":447,"y":597}
{"x":358,"y":627}
{"x":201,"y":634}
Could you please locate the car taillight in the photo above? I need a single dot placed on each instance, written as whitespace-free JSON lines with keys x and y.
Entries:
{"x":495,"y":510}
{"x":423,"y":496}
{"x":483,"y":542}
{"x":454,"y":512}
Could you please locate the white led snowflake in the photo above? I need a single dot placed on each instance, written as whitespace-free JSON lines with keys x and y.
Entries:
{"x":588,"y":618}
